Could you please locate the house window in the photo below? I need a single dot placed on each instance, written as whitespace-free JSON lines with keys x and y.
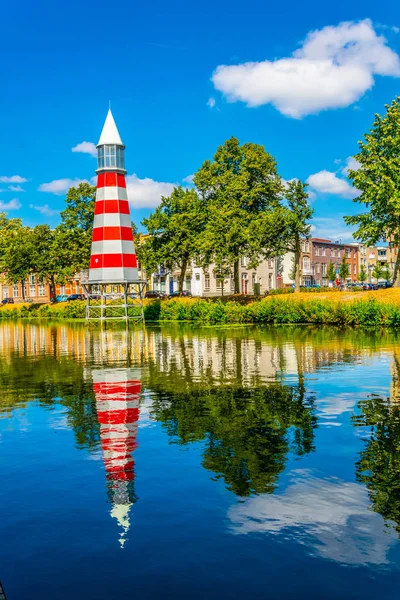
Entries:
{"x":32,"y":291}
{"x":324,"y":265}
{"x":270,"y":265}
{"x":32,"y":279}
{"x":207,"y":281}
{"x":323,"y":252}
{"x":303,"y":246}
{"x":62,"y":290}
{"x":317,"y":268}
{"x":347,"y":252}
{"x":15,"y":291}
{"x":306,"y":246}
{"x":243,"y":261}
{"x":317,"y":251}
{"x":41,"y":290}
{"x":381,"y":252}
{"x":197,"y":276}
{"x":306,"y":263}
{"x":5,"y":292}
{"x":354,"y":269}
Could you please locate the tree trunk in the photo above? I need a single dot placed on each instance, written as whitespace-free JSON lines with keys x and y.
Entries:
{"x":396,"y":273}
{"x":297,"y":267}
{"x":23,"y":289}
{"x":52,"y":285}
{"x":182,"y":274}
{"x":236,"y":276}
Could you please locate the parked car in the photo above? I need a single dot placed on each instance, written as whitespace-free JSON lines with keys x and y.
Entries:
{"x":76,"y":297}
{"x":185,"y":294}
{"x":154,"y":294}
{"x":7,"y":301}
{"x":61,"y":298}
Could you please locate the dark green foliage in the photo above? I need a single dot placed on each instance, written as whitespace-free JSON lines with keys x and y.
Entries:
{"x":379,"y":464}
{"x":247,"y":433}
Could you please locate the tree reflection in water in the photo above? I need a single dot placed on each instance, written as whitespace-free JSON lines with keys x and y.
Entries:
{"x":379,"y":464}
{"x":247,"y":432}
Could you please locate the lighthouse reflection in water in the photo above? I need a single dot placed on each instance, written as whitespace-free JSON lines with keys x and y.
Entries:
{"x":117,"y":393}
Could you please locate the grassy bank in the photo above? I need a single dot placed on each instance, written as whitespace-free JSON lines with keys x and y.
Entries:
{"x":369,"y":309}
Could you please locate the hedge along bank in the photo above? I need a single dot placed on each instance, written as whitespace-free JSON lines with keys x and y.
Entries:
{"x":367,"y":312}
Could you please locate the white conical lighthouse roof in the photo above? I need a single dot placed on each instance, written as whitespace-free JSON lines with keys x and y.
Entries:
{"x":110,"y":134}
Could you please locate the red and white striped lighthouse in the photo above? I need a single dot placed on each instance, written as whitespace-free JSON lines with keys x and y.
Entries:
{"x":113,"y":258}
{"x":117,"y":394}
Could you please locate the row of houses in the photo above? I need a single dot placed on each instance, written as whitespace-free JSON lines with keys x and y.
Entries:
{"x":316,"y":254}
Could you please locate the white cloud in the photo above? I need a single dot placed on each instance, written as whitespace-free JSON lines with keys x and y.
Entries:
{"x":352,"y":164}
{"x":59,"y":186}
{"x":45,"y":210}
{"x":333,"y":68}
{"x":311,"y":194}
{"x":332,"y":229}
{"x":146,"y":193}
{"x":188,"y":179}
{"x":16,"y":188}
{"x":85,"y":148}
{"x":332,"y":517}
{"x":327,"y":182}
{"x":13,"y":204}
{"x":13,"y":179}
{"x":211,"y":102}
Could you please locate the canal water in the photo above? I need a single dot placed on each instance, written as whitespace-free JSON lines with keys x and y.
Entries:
{"x":196,"y":463}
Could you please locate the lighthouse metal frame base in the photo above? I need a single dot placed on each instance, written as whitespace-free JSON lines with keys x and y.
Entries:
{"x":106,"y":303}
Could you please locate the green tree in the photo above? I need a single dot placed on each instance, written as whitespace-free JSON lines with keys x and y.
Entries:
{"x":363,"y":274}
{"x":386,"y":273}
{"x":378,"y":180}
{"x":344,"y":270}
{"x":74,"y":234}
{"x":240,"y":192}
{"x":17,"y":249}
{"x":377,"y":271}
{"x":51,"y":260}
{"x":297,"y":224}
{"x":175,"y":228}
{"x":331,"y":271}
{"x":222,"y":273}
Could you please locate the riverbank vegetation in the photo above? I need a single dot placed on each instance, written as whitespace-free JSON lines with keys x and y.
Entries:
{"x":367,"y":309}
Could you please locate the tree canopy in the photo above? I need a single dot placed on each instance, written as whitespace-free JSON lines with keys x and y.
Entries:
{"x":378,"y":180}
{"x":240,"y":192}
{"x":175,"y":228}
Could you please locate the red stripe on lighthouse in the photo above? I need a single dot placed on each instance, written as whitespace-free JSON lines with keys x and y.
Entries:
{"x":111,"y":233}
{"x":110,"y":179}
{"x":111,"y":206}
{"x":100,"y":261}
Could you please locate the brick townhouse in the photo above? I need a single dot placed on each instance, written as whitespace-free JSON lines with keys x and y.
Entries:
{"x":323,"y":252}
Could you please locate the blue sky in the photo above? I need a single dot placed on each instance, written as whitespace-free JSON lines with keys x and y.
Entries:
{"x":180,"y":83}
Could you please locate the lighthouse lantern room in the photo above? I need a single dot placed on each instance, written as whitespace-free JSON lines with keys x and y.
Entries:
{"x":113,"y":288}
